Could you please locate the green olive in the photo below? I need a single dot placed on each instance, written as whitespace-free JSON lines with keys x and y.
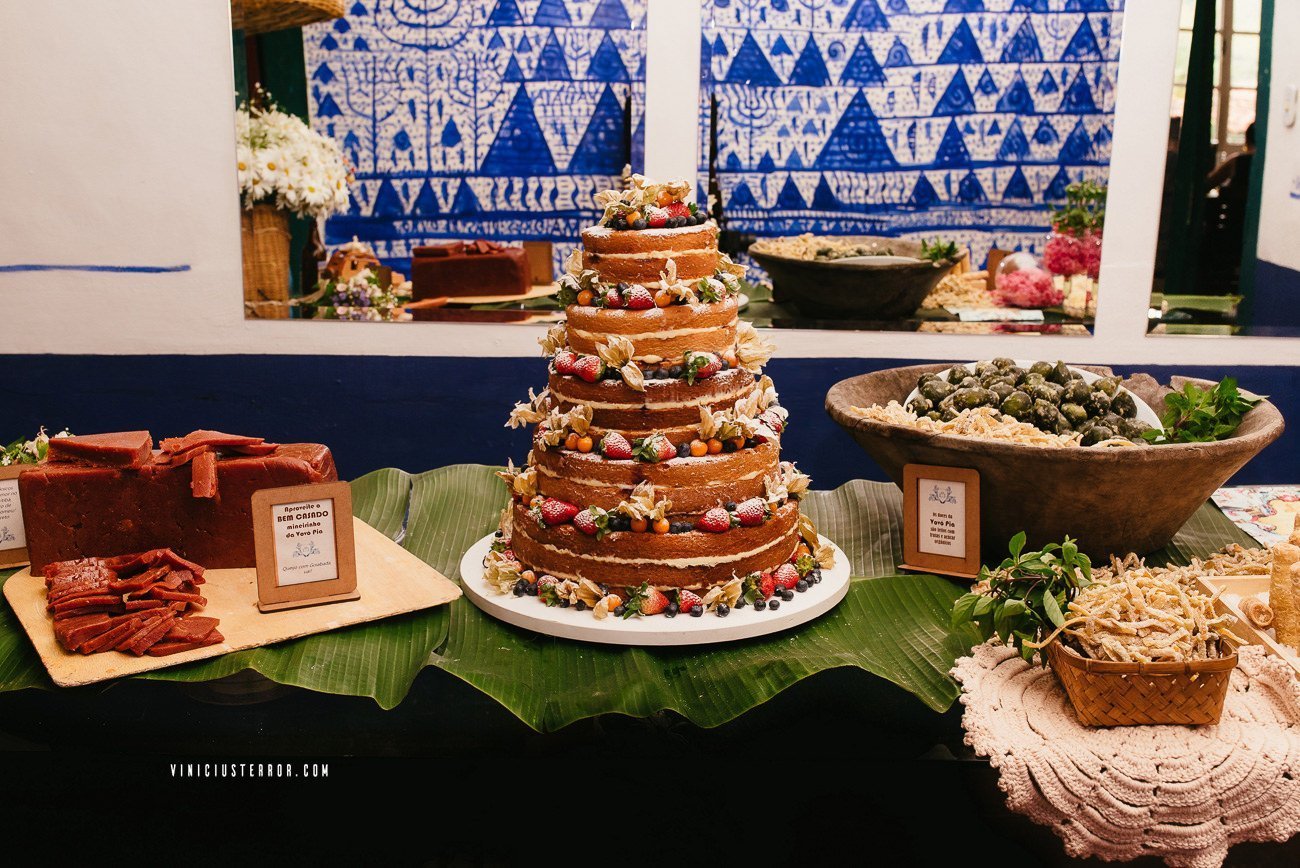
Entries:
{"x":1109,"y":385}
{"x":1043,"y":368}
{"x":1124,"y":404}
{"x":1050,"y":392}
{"x":970,"y":398}
{"x":936,"y":390}
{"x":1097,"y":403}
{"x":920,"y":405}
{"x":984,"y":369}
{"x":1074,"y":414}
{"x":1017,"y":405}
{"x":971,"y":382}
{"x":1004,"y":363}
{"x":1044,"y":415}
{"x":1002,"y":391}
{"x":1077,"y":392}
{"x":957,"y":373}
{"x":1031,"y":379}
{"x":935,"y":415}
{"x":1133,"y":429}
{"x":1061,"y":373}
{"x":1097,"y":434}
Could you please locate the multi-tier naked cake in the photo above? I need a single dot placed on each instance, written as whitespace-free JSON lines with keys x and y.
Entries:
{"x":655,"y":482}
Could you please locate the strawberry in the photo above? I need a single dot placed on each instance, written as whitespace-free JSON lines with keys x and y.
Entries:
{"x":613,"y":300}
{"x":700,"y":366}
{"x":615,"y":446}
{"x":678,"y":209}
{"x":564,"y":361}
{"x":655,"y":217}
{"x":653,"y":602}
{"x":585,"y":521}
{"x":687,"y":600}
{"x":557,"y":511}
{"x":766,"y":585}
{"x":752,"y":512}
{"x":786,"y":576}
{"x":637,"y":297}
{"x":546,"y":590}
{"x":654,"y":449}
{"x":715,"y":520}
{"x":589,"y":368}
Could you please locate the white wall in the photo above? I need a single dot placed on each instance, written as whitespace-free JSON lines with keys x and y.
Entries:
{"x":124,"y":155}
{"x":1279,"y":212}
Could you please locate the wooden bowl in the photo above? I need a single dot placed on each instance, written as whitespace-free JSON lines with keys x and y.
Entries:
{"x":1113,"y":501}
{"x":826,"y":288}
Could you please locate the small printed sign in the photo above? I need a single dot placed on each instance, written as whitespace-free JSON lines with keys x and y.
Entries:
{"x":306,"y":554}
{"x":941,"y":525}
{"x":13,"y":532}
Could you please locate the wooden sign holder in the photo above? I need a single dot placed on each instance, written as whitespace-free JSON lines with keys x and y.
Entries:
{"x":275,"y":597}
{"x":13,"y":557}
{"x":965,"y":567}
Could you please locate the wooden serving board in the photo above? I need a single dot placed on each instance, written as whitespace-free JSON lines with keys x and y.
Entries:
{"x":1246,"y":586}
{"x":392,"y":581}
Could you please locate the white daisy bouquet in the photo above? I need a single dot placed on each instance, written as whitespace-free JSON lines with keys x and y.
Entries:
{"x":284,"y":163}
{"x":363,"y":296}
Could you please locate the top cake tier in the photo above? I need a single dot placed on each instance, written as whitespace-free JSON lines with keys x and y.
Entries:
{"x":642,"y":256}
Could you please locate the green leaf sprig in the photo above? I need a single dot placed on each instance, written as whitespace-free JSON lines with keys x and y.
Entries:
{"x":938,"y":250}
{"x":1027,"y":594}
{"x":31,"y":451}
{"x":1084,"y":210}
{"x":1197,"y":415}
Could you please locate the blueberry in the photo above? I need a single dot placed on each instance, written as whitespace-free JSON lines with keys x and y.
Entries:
{"x":670,"y":613}
{"x":580,"y":606}
{"x":817,"y":573}
{"x":498,"y":534}
{"x":728,"y":446}
{"x":521,"y":588}
{"x":532,"y":591}
{"x":774,"y":604}
{"x":723,"y":610}
{"x":726,"y":365}
{"x":740,"y":604}
{"x":620,"y":611}
{"x":729,"y":506}
{"x":624,"y":287}
{"x":675,"y":371}
{"x":697,"y":611}
{"x":680,"y":527}
{"x":674,"y":608}
{"x":801,"y":586}
{"x":638,"y":223}
{"x":564,"y":604}
{"x":751,"y":443}
{"x":683,"y":450}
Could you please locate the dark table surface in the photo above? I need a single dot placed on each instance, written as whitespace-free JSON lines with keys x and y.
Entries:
{"x":840,"y":765}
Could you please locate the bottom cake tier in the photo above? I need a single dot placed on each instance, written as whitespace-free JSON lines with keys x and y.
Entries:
{"x":694,"y":560}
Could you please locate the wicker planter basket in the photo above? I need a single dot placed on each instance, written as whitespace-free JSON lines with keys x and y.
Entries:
{"x":1106,"y":693}
{"x":264,"y":16}
{"x":265,"y":231}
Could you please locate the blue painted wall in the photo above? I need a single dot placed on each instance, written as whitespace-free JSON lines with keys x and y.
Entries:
{"x":419,"y":413}
{"x":1277,"y":290}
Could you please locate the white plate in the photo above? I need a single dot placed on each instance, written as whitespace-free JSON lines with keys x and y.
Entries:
{"x":877,"y":260}
{"x":1144,"y":411}
{"x":569,"y":623}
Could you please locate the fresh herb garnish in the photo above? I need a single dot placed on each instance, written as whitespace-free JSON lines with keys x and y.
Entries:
{"x":1027,"y":594}
{"x":1084,"y":210}
{"x":30,"y":451}
{"x":1197,"y":415}
{"x":938,"y":251}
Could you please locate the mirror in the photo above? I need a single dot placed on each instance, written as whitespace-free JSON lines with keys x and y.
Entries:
{"x":475,"y":136}
{"x":954,"y":135}
{"x":1226,"y":261}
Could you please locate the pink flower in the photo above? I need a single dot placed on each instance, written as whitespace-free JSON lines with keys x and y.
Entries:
{"x":1029,"y":288}
{"x":1068,"y":254}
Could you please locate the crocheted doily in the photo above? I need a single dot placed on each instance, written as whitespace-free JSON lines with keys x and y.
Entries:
{"x":1183,"y":793}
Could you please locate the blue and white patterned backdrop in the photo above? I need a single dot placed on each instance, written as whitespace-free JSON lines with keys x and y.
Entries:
{"x":477,"y":118}
{"x":959,"y":118}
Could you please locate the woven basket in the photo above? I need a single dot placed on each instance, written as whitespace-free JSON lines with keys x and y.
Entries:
{"x":265,"y":232}
{"x":1106,"y":693}
{"x":264,"y":16}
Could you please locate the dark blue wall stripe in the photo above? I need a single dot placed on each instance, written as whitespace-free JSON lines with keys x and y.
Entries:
{"x":119,"y":269}
{"x":419,"y":413}
{"x":1277,"y":295}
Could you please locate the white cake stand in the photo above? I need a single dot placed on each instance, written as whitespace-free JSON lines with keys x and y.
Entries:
{"x":569,"y":623}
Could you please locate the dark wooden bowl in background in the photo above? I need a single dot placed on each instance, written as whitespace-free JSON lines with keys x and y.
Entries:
{"x":825,"y":288}
{"x":1114,"y":501}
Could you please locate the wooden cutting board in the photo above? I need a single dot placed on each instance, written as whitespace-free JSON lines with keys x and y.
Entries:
{"x":392,"y":581}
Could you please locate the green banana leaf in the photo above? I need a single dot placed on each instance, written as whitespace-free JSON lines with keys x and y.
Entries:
{"x":893,"y":626}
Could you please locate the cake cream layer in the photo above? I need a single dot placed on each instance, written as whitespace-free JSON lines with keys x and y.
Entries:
{"x":663,"y":404}
{"x":695,"y":560}
{"x":660,"y":333}
{"x":602,"y":240}
{"x":643,"y":267}
{"x":694,"y":485}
